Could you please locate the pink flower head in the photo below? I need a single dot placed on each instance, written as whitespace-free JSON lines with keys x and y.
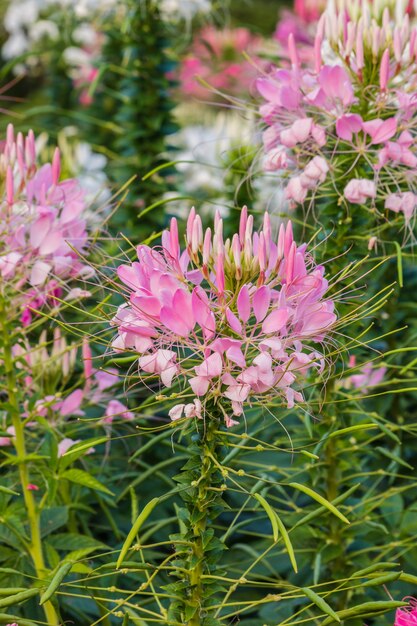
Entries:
{"x":407,"y":616}
{"x":42,"y":228}
{"x":232,"y":321}
{"x":351,"y":105}
{"x":217,"y":57}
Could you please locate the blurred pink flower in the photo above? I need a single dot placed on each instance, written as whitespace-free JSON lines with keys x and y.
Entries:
{"x":41,"y":225}
{"x":216,"y":56}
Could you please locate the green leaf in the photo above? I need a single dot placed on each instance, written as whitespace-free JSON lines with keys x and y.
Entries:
{"x":10,"y":492}
{"x":143,"y":516}
{"x":52,"y":518}
{"x":80,"y":477}
{"x":322,"y":604}
{"x":55,"y":582}
{"x":318,"y":498}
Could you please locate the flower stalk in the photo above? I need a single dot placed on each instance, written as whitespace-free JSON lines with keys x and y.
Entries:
{"x":199,"y":551}
{"x":32,"y":510}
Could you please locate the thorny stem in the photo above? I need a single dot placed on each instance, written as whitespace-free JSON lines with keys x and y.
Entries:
{"x":33,"y":513}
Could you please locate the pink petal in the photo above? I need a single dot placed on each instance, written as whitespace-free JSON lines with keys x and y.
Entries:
{"x":243,"y":304}
{"x":199,"y":385}
{"x":233,"y":322}
{"x":210,"y":367}
{"x":379,"y":130}
{"x":72,"y":403}
{"x":261,"y":302}
{"x":275,"y":321}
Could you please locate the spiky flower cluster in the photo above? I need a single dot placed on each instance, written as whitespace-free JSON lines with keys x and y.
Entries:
{"x":41,"y":226}
{"x":345,"y":128}
{"x":230,"y":322}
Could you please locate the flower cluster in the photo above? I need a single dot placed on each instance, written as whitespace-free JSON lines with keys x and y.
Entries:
{"x":345,"y":127}
{"x":216,"y":56}
{"x":42,"y":228}
{"x":47,"y":370}
{"x":232,"y":321}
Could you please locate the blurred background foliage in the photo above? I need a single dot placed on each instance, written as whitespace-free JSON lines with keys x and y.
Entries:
{"x":135,"y":126}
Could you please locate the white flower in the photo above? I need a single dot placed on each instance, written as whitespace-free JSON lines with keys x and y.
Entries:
{"x":183,"y":9}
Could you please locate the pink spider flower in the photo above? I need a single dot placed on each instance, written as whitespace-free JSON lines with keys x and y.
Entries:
{"x":346,"y":124}
{"x":43,"y":232}
{"x":229,"y":322}
{"x":407,"y":616}
{"x":217,"y":57}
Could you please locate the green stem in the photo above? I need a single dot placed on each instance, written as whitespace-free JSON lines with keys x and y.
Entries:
{"x":203,"y":502}
{"x":33,"y":514}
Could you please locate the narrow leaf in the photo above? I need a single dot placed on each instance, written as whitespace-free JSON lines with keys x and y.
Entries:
{"x":322,"y":604}
{"x":318,"y":498}
{"x":55,"y":582}
{"x":10,"y":492}
{"x":85,"y":479}
{"x":143,"y":516}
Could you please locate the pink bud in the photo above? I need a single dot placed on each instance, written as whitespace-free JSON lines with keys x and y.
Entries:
{"x":220,"y":280}
{"x":412,"y":42}
{"x":242,"y":223}
{"x":267,"y":230}
{"x":376,"y":39}
{"x":217,"y":219}
{"x":281,"y":243}
{"x":360,"y":60}
{"x":10,"y":134}
{"x":351,"y":32}
{"x":190,"y":221}
{"x":174,"y":241}
{"x":372,"y":242}
{"x":289,"y":238}
{"x":9,"y":185}
{"x":31,"y":148}
{"x":249,"y":227}
{"x":292,"y":50}
{"x":262,"y":253}
{"x":32,"y":487}
{"x":397,"y":45}
{"x":236,"y":251}
{"x":56,"y":167}
{"x":87,"y":359}
{"x":384,"y":71}
{"x":207,"y":247}
{"x":290,"y":262}
{"x":21,"y":161}
{"x":197,"y":235}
